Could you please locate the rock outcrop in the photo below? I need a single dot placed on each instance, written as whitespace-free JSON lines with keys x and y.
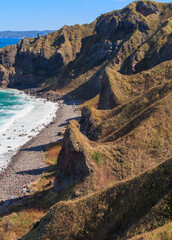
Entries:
{"x":147,"y":8}
{"x":120,"y":150}
{"x":123,"y":46}
{"x":70,"y":57}
{"x":74,"y":161}
{"x":107,"y":99}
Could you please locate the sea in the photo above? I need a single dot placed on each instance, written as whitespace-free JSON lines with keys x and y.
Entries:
{"x":8,"y":41}
{"x":21,"y":118}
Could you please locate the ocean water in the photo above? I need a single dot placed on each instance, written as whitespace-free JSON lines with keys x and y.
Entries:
{"x":8,"y":41}
{"x":21,"y":118}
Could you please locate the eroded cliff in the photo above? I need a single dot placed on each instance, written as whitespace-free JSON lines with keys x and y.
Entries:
{"x":75,"y":55}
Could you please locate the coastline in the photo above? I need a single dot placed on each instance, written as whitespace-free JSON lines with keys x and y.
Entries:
{"x":27,"y":164}
{"x":32,"y":115}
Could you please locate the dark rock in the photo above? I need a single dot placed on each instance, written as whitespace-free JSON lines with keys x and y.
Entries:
{"x":72,"y":164}
{"x":60,"y":133}
{"x":146,"y":8}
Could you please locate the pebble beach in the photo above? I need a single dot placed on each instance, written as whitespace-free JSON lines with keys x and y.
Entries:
{"x":27,"y":165}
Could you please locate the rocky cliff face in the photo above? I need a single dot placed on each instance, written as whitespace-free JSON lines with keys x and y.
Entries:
{"x":122,"y":147}
{"x":124,"y":44}
{"x":34,"y":60}
{"x":73,"y":162}
{"x":105,"y":58}
{"x":71,"y":56}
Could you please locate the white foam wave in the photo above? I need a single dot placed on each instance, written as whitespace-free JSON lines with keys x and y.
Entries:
{"x":17,"y":130}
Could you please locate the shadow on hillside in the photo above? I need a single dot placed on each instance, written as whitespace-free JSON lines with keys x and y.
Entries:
{"x":86,"y":90}
{"x":140,"y":196}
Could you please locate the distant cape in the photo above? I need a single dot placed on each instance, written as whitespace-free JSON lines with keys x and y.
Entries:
{"x":23,"y":34}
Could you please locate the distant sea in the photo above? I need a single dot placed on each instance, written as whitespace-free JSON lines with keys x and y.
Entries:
{"x":8,"y":41}
{"x":21,"y":118}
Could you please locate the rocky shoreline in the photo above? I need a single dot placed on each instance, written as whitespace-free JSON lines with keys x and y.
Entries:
{"x":27,"y":165}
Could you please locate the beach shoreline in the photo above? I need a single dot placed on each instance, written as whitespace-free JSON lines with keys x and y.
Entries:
{"x":27,"y":164}
{"x":22,"y":117}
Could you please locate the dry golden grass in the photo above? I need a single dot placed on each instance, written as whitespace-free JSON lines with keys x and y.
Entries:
{"x":126,"y":87}
{"x":161,"y":233}
{"x":94,"y":102}
{"x":15,"y":225}
{"x":22,"y":218}
{"x":128,"y":148}
{"x":106,"y":213}
{"x":50,"y":158}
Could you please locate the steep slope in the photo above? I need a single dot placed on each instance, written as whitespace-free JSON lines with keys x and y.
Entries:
{"x":117,"y":88}
{"x":33,"y":60}
{"x":129,"y":139}
{"x":76,"y":55}
{"x":117,"y":159}
{"x":120,"y":143}
{"x":106,"y":214}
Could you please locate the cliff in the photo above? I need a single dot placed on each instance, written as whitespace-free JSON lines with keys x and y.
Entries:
{"x":75,"y":55}
{"x":108,"y":213}
{"x":114,"y":167}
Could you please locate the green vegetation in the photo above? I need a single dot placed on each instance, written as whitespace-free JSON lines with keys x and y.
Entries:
{"x":97,"y":157}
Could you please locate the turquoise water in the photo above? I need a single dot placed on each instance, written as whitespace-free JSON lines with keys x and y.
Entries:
{"x":8,"y":41}
{"x":21,"y":118}
{"x":9,"y":104}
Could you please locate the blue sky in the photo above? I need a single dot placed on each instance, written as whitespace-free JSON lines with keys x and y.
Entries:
{"x":53,"y":14}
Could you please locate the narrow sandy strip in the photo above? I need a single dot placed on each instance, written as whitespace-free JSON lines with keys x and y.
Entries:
{"x":27,"y":164}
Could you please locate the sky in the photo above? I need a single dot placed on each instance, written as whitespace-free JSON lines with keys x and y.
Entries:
{"x":25,"y":15}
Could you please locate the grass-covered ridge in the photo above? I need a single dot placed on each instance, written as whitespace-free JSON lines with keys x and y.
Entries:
{"x":113,"y":173}
{"x":125,"y":169}
{"x":103,"y":214}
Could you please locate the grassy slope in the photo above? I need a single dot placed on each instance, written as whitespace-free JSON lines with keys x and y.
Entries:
{"x":127,"y":86}
{"x":162,"y":233}
{"x":136,"y":135}
{"x":137,"y":51}
{"x":144,"y":201}
{"x":21,"y":217}
{"x":108,"y":212}
{"x":126,"y":141}
{"x":85,"y":50}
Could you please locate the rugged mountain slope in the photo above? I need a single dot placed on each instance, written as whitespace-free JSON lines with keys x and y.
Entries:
{"x":73,"y":55}
{"x":112,"y":149}
{"x":118,"y":156}
{"x":33,"y":60}
{"x":128,"y":140}
{"x":106,"y":214}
